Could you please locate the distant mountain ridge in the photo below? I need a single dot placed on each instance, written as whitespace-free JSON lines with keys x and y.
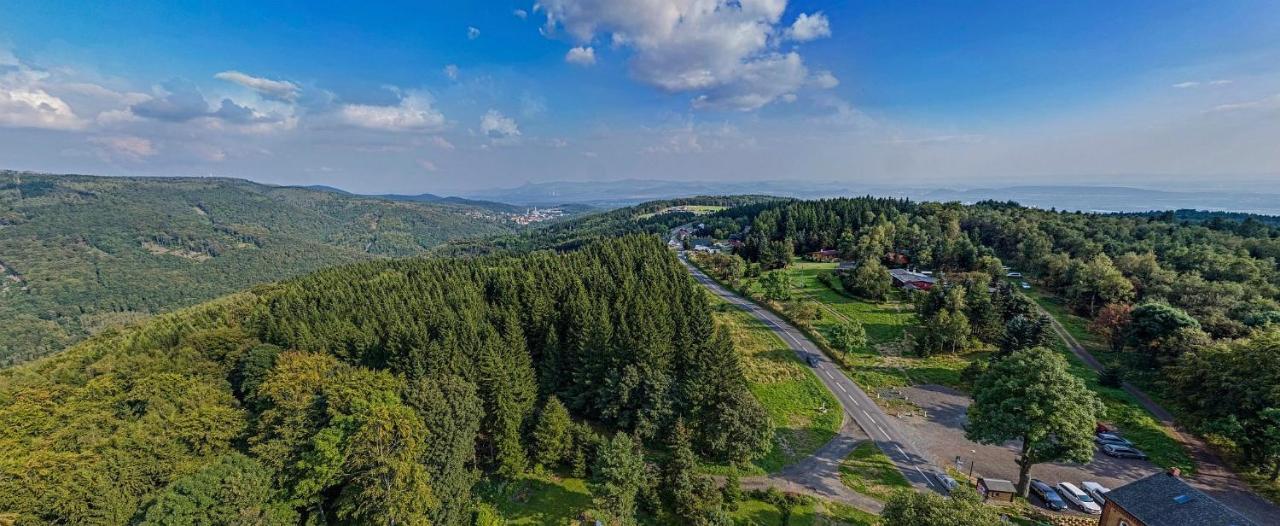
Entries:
{"x":1063,"y":197}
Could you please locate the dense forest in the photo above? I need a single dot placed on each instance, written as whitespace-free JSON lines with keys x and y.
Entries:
{"x":382,"y":392}
{"x":82,"y":253}
{"x":1188,"y":302}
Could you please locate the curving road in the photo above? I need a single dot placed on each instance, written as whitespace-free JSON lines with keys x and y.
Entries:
{"x":820,"y":473}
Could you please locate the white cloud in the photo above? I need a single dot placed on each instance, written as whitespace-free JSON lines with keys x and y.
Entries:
{"x":177,"y":100}
{"x":25,"y":102}
{"x":427,"y":165}
{"x":1196,"y":83}
{"x":125,"y":146}
{"x":1267,"y":103}
{"x":496,"y":125}
{"x":809,"y":27}
{"x":582,"y":56}
{"x":521,"y":14}
{"x":413,"y":113}
{"x":723,"y":49}
{"x":757,"y":83}
{"x":451,"y":71}
{"x":825,"y":80}
{"x":441,"y":142}
{"x":281,"y":90}
{"x":472,"y":33}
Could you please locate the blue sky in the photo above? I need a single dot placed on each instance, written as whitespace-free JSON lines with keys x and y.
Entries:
{"x":457,"y":96}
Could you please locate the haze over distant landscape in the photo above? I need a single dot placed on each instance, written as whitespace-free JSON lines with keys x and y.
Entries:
{"x":461,"y":97}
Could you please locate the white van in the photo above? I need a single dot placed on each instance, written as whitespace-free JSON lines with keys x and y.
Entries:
{"x":1079,"y":498}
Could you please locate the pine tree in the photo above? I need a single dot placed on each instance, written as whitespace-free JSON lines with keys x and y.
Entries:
{"x":551,"y":436}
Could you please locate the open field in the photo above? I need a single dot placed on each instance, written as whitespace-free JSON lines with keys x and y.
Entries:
{"x":805,"y":415}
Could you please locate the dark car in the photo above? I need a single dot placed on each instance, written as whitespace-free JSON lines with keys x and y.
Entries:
{"x":1112,"y":438}
{"x":1118,"y":451}
{"x":813,"y":360}
{"x":1048,"y":495}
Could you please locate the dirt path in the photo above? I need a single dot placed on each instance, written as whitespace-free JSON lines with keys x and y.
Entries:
{"x":1212,"y":474}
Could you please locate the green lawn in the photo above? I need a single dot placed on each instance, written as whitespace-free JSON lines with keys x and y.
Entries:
{"x":804,"y":413}
{"x":549,"y":500}
{"x":538,"y":499}
{"x":868,"y":471}
{"x":755,"y":512}
{"x":886,"y":361}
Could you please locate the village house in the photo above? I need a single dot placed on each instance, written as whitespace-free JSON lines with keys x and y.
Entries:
{"x":824,"y":255}
{"x":1164,"y":499}
{"x":910,"y":280}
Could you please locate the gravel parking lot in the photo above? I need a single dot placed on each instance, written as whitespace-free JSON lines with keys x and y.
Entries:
{"x":940,"y":434}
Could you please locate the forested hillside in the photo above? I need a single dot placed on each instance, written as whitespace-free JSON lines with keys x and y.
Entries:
{"x":646,"y":218}
{"x":380,"y":393}
{"x":81,"y":253}
{"x":1190,"y":310}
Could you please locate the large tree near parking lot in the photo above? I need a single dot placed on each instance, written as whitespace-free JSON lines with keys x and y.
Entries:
{"x":1030,"y":396}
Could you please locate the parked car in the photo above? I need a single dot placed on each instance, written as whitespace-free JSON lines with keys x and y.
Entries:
{"x":1097,"y":491}
{"x":1118,"y":451}
{"x":1026,"y":285}
{"x":949,"y":483}
{"x":1079,"y":498}
{"x":1014,"y":274}
{"x":1112,"y":438}
{"x":1048,"y":495}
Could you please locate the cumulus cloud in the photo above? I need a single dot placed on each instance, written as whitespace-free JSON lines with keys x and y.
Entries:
{"x":125,"y":147}
{"x":25,"y":101}
{"x":175,"y":101}
{"x":451,"y":71}
{"x":809,"y":27}
{"x":521,"y":14}
{"x":414,"y":113}
{"x":472,"y":33}
{"x":825,"y":80}
{"x":723,"y":49}
{"x":280,"y":90}
{"x":581,"y":55}
{"x":496,"y":125}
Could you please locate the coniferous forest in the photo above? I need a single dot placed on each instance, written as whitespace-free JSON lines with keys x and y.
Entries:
{"x":379,"y":392}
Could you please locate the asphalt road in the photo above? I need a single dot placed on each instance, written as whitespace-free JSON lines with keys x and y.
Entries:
{"x":859,"y":407}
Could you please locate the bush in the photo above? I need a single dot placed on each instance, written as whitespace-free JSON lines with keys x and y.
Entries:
{"x":1111,"y":377}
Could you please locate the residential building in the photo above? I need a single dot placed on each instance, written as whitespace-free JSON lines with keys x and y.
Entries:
{"x":1164,"y":499}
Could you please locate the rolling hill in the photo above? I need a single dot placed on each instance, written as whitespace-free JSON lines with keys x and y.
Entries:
{"x":82,"y":253}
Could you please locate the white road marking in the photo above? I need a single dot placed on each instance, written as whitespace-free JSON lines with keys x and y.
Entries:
{"x":842,"y":389}
{"x":864,"y":411}
{"x":829,"y":375}
{"x":886,"y":435}
{"x":899,"y":448}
